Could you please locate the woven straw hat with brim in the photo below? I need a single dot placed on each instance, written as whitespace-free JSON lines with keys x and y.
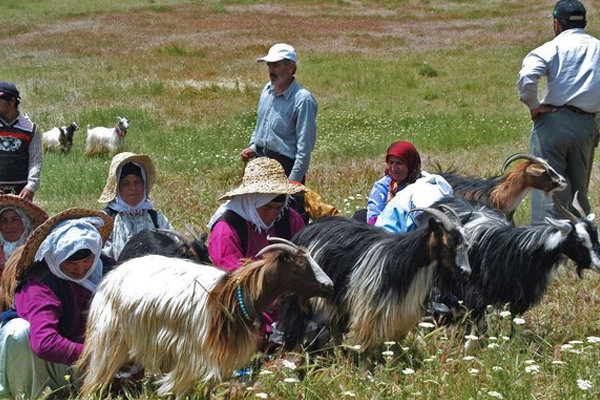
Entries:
{"x":40,"y":233}
{"x":264,"y":175}
{"x":112,"y":185}
{"x":36,"y":215}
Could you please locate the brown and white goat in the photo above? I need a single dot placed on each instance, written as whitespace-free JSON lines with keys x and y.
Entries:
{"x":187,"y":321}
{"x":505,"y":192}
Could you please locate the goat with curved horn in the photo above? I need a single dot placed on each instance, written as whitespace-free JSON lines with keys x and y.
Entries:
{"x":505,"y":192}
{"x":443,"y":218}
{"x":564,"y":211}
{"x":277,"y":239}
{"x":278,"y":246}
{"x":520,"y":156}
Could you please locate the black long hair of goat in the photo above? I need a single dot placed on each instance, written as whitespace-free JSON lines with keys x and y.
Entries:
{"x":150,"y":241}
{"x":509,"y":264}
{"x":385,"y":263}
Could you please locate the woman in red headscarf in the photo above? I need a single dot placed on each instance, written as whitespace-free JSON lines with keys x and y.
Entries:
{"x":403,"y":168}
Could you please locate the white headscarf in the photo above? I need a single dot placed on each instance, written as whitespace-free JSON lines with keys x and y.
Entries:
{"x":245,"y":206}
{"x":120,"y":206}
{"x":9,"y":247}
{"x":67,"y":238}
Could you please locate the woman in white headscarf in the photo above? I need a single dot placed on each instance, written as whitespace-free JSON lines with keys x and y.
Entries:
{"x":18,"y":217}
{"x":57,"y":271}
{"x":130,"y":179}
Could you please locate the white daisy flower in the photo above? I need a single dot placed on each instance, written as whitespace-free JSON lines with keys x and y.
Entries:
{"x":262,"y":395}
{"x":426,"y":325}
{"x":290,"y":380}
{"x":289,"y":364}
{"x":519,"y":321}
{"x":584,"y":384}
{"x":532,"y":369}
{"x":505,"y":314}
{"x":495,"y":394}
{"x":473,"y":371}
{"x":408,"y":371}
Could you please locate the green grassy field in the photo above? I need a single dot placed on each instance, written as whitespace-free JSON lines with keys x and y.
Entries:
{"x":439,"y":73}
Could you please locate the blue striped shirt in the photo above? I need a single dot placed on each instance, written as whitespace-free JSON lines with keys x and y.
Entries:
{"x":286,"y":124}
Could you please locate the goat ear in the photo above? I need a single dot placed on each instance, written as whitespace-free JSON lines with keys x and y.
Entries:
{"x":535,"y":170}
{"x":591,"y":217}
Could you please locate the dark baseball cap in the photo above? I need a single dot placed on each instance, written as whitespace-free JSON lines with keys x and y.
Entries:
{"x":569,"y":11}
{"x":9,"y":89}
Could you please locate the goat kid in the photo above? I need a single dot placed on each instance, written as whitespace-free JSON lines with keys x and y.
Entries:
{"x":171,"y":316}
{"x":59,"y":138}
{"x":162,"y":242}
{"x":514,"y":264}
{"x":381,"y":279}
{"x":106,"y":140}
{"x":505,"y":192}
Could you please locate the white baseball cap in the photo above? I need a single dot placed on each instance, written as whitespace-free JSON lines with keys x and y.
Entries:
{"x":278,"y":52}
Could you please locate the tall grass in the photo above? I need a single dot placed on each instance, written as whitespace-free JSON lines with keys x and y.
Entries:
{"x":438,"y":73}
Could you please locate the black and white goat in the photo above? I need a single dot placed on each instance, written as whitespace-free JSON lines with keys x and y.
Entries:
{"x":381,"y":279}
{"x":170,"y":316}
{"x":162,"y":242}
{"x":59,"y":138}
{"x":505,"y":192}
{"x":106,"y":140}
{"x":514,"y":264}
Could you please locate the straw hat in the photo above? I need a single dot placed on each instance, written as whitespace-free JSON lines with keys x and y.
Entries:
{"x":36,"y":215}
{"x":110,"y":190}
{"x":36,"y":238}
{"x":264,"y":175}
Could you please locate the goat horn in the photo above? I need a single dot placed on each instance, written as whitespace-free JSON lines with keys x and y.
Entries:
{"x":277,"y":246}
{"x":452,"y":211}
{"x":192,"y":232}
{"x":577,"y":205}
{"x":518,"y":156}
{"x":275,"y":239}
{"x":567,"y":214}
{"x":437,"y":213}
{"x":180,"y":235}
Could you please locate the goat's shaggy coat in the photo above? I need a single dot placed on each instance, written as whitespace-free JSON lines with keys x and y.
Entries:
{"x":182,"y":319}
{"x":163,"y":243}
{"x":106,"y":140}
{"x":381,"y":280}
{"x":514,"y":264}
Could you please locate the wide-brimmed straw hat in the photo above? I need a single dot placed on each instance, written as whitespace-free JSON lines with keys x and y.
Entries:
{"x":40,"y":233}
{"x":36,"y":215}
{"x":112,"y":181}
{"x":264,"y":175}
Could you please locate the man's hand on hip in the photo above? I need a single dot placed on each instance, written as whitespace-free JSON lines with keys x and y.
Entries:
{"x":542,"y":109}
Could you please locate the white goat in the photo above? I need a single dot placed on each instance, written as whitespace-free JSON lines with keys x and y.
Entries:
{"x":106,"y":140}
{"x":188,"y":321}
{"x":59,"y":138}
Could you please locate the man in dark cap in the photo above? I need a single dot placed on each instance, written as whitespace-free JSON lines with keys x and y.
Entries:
{"x":565,"y":123}
{"x":20,"y":147}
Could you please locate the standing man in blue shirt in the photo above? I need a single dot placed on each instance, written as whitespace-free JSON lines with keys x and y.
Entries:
{"x":286,"y":126}
{"x":565,"y":121}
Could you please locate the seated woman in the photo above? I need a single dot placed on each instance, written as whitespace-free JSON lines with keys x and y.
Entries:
{"x":18,"y":217}
{"x":428,"y":189}
{"x":56,"y":273}
{"x":403,"y":168}
{"x":128,"y":201}
{"x":256,"y":209}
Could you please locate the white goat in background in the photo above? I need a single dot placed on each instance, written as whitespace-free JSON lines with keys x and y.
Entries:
{"x":106,"y":140}
{"x":59,"y":138}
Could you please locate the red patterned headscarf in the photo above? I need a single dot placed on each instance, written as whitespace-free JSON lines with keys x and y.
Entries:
{"x":410,"y":157}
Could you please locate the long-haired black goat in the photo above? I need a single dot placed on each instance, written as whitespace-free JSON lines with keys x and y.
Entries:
{"x":514,"y":264}
{"x":505,"y":192}
{"x":161,"y":242}
{"x":381,"y":279}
